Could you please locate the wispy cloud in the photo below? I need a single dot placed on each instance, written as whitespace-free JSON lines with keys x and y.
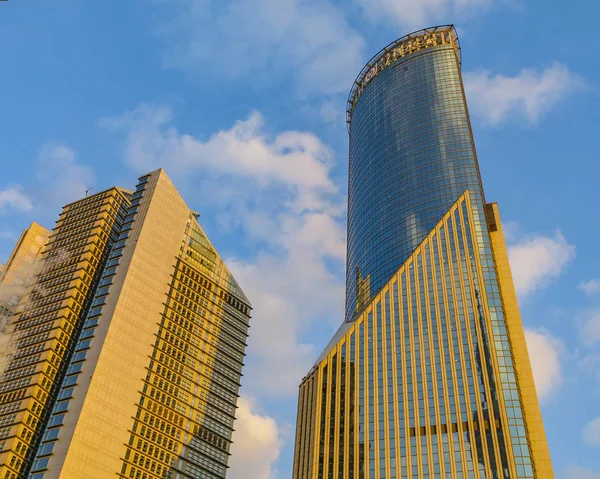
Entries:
{"x":591,"y":287}
{"x":528,"y":95}
{"x":577,"y":472}
{"x":545,"y":353}
{"x":537,"y":260}
{"x":591,"y":433}
{"x":63,"y":177}
{"x":278,"y":192}
{"x":307,"y":41}
{"x":257,"y":443}
{"x":14,"y":197}
{"x":590,"y":328}
{"x":414,"y":15}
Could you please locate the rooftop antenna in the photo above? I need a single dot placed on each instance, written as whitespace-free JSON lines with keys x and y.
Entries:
{"x":88,"y":190}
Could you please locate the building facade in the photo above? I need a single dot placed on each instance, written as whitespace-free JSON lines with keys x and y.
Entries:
{"x":429,"y":375}
{"x":151,"y":385}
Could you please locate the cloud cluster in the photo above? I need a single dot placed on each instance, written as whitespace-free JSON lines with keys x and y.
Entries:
{"x":536,"y":260}
{"x":256,"y":443}
{"x":529,"y":94}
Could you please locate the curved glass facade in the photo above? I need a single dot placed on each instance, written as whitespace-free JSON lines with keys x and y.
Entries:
{"x":411,"y":156}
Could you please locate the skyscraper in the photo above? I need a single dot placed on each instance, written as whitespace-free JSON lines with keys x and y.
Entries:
{"x":429,"y":375}
{"x":150,"y":378}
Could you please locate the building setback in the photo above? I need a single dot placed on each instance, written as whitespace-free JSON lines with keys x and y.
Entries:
{"x":429,"y":374}
{"x":151,"y":386}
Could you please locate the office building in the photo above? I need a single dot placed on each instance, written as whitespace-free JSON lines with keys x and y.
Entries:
{"x":428,"y":376}
{"x":151,"y":385}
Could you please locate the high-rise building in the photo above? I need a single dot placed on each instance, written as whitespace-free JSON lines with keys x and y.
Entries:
{"x":48,"y":319}
{"x":151,"y":381}
{"x":429,"y":374}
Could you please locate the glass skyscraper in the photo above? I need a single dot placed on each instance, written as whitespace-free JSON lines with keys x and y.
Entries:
{"x":128,"y":351}
{"x":429,"y":375}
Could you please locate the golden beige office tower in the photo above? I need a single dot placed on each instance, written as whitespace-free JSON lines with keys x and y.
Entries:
{"x":47,"y":320}
{"x":429,"y":376}
{"x":151,"y":388}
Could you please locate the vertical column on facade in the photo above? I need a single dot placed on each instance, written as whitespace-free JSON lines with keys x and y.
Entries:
{"x":380,"y":395}
{"x":412,"y":466}
{"x":454,"y":409}
{"x":406,"y":375}
{"x":360,"y":446}
{"x":338,"y":456}
{"x":352,"y":417}
{"x":433,"y":406}
{"x":443,"y":398}
{"x":319,"y":466}
{"x":458,"y":300}
{"x":300,"y":432}
{"x":390,"y":432}
{"x":370,"y":409}
{"x":396,"y":368}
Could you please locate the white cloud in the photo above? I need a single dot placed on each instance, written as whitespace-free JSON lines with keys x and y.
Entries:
{"x":530,"y":94}
{"x":416,"y":15}
{"x":536,"y":260}
{"x":590,"y":287}
{"x":277,"y":191}
{"x":545,"y":354}
{"x":307,"y":41}
{"x":591,"y":433}
{"x":256,"y":444}
{"x":64,"y":178}
{"x":14,"y":197}
{"x":590,"y":328}
{"x":576,"y":472}
{"x":333,"y":112}
{"x":294,"y":158}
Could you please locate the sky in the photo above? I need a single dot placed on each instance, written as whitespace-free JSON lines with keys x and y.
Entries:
{"x":243,"y":103}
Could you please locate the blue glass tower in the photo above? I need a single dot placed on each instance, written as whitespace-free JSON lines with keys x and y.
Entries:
{"x":411,"y":156}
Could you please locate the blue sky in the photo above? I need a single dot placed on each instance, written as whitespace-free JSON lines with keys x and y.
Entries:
{"x":243,"y":103}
